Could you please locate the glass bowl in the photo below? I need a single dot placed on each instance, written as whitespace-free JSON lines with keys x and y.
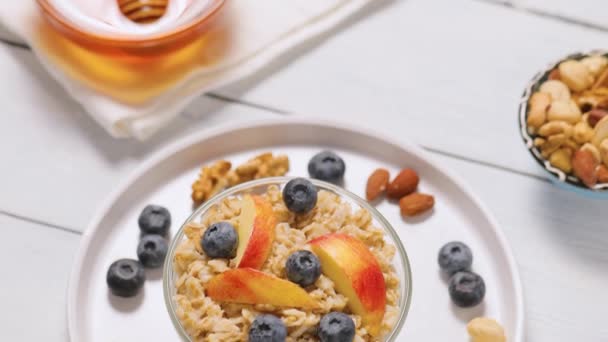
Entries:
{"x":400,"y":262}
{"x":167,"y":40}
{"x":557,"y":177}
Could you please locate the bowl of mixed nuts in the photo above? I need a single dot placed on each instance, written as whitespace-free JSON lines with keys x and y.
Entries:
{"x":563,"y":120}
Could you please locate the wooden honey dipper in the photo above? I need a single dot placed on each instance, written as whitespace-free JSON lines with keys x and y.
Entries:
{"x":143,"y":11}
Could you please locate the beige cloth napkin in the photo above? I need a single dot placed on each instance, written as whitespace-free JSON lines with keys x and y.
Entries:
{"x":250,"y":33}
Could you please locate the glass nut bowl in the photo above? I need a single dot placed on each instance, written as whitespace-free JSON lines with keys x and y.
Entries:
{"x":558,"y":177}
{"x":113,"y":42}
{"x":400,"y":261}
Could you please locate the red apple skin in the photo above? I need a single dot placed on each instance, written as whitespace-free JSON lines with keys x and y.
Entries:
{"x":262,"y":235}
{"x":250,"y":286}
{"x":356,"y":273}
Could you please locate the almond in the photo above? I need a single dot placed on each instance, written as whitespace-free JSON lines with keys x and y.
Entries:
{"x":416,"y":203}
{"x":584,"y":165}
{"x":405,"y":183}
{"x":595,"y":115}
{"x":376,"y":184}
{"x":602,"y":174}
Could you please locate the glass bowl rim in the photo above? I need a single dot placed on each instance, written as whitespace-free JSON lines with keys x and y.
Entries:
{"x":558,"y":177}
{"x":158,"y":38}
{"x":405,"y":297}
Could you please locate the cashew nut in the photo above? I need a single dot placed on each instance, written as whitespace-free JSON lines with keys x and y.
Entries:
{"x":593,"y":150}
{"x":575,"y":75}
{"x":596,"y":64}
{"x":561,"y":159}
{"x":537,"y":115}
{"x":582,"y":131}
{"x":557,"y":89}
{"x":483,"y":329}
{"x":555,"y":127}
{"x":564,"y":110}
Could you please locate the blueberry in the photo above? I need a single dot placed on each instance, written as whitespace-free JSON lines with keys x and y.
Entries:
{"x":152,"y":250}
{"x":267,"y":328}
{"x":220,"y":241}
{"x":327,"y":166}
{"x":303,"y":268}
{"x":300,"y":195}
{"x":125,"y":277}
{"x":336,"y":327}
{"x":455,"y":257}
{"x":154,"y":219}
{"x":467,"y":289}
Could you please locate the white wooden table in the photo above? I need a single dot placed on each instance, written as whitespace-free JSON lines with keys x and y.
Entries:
{"x":446,"y":73}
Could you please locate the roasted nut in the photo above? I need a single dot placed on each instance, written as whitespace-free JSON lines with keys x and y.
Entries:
{"x":405,"y":183}
{"x":595,"y":115}
{"x":582,"y":132}
{"x":575,"y":75}
{"x":561,"y":159}
{"x":537,"y":115}
{"x":219,"y":176}
{"x":556,"y":127}
{"x":600,"y":132}
{"x":571,"y":144}
{"x":484,"y":329}
{"x":604,"y":151}
{"x":595,"y":152}
{"x":415,"y":204}
{"x":564,"y":110}
{"x":211,"y":180}
{"x":552,"y":144}
{"x":538,"y":142}
{"x":376,"y":184}
{"x":584,"y":165}
{"x":263,"y":166}
{"x":601,"y":80}
{"x":556,"y":89}
{"x":554,"y":75}
{"x":596,"y":64}
{"x":602,"y":174}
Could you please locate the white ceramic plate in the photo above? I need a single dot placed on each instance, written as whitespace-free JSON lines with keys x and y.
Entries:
{"x":94,"y":315}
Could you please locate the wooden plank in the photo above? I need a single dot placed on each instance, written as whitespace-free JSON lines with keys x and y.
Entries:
{"x":37,"y":262}
{"x":447,"y":74}
{"x":57,"y":163}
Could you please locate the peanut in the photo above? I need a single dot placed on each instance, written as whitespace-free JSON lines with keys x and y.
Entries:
{"x":582,"y":132}
{"x":556,"y":89}
{"x":484,"y":329}
{"x":595,"y":115}
{"x":560,"y":159}
{"x":564,"y":110}
{"x":575,"y":75}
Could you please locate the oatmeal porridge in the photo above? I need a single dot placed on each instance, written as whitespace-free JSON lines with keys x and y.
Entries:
{"x":207,"y":319}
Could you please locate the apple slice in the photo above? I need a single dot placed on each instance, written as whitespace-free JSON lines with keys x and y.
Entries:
{"x":250,"y":286}
{"x":356,"y":274}
{"x":256,"y":225}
